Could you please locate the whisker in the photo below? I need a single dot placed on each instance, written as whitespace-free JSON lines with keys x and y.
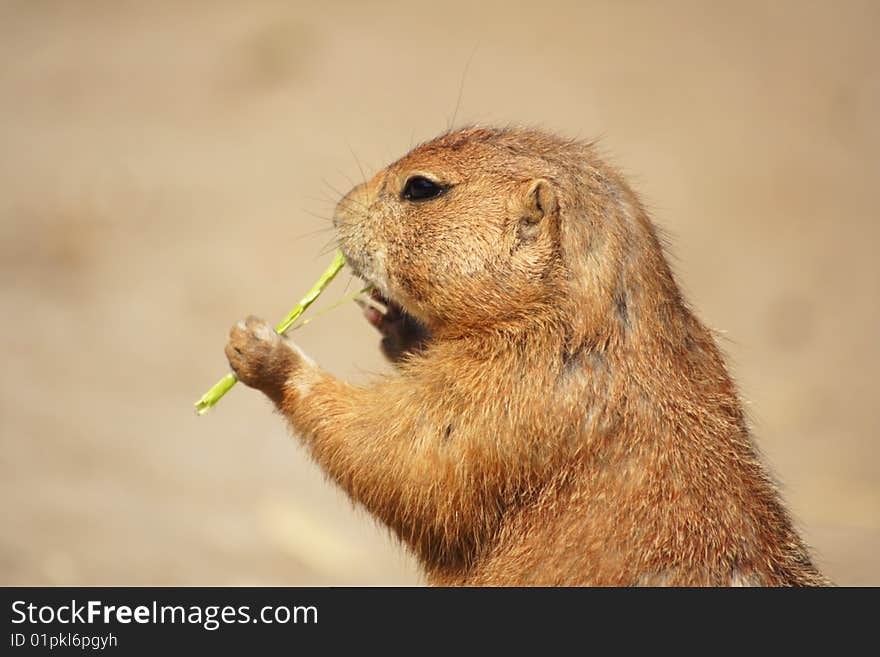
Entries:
{"x":467,"y":66}
{"x":313,"y":232}
{"x":360,"y":168}
{"x":342,"y":196}
{"x":346,"y":176}
{"x":328,"y":248}
{"x":358,"y":210}
{"x":332,"y":188}
{"x":348,"y":284}
{"x":321,"y":199}
{"x":318,"y":216}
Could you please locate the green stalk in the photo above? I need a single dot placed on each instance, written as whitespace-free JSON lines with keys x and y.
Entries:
{"x":224,"y":385}
{"x":324,"y":311}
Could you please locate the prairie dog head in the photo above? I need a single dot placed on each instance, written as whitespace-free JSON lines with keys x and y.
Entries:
{"x":459,"y":232}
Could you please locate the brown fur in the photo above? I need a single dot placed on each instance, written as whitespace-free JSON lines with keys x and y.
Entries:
{"x":567,"y":420}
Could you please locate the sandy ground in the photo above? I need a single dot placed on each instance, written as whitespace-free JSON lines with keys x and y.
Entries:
{"x":168,"y":167}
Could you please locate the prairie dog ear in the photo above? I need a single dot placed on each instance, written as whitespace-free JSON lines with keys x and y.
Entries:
{"x":537,"y":208}
{"x":539,"y":200}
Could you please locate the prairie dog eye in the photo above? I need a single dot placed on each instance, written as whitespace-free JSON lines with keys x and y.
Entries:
{"x":419,"y":188}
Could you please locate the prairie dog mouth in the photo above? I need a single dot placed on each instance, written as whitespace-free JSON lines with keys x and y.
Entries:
{"x":374,"y":296}
{"x":388,"y":310}
{"x":401,"y":332}
{"x":373,"y":299}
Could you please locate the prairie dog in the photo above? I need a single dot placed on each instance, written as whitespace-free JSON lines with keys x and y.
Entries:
{"x":558,"y":416}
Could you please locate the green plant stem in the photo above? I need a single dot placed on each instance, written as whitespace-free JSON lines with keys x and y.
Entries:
{"x":224,"y":385}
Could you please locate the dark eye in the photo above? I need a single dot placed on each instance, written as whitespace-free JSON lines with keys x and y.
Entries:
{"x":419,"y":188}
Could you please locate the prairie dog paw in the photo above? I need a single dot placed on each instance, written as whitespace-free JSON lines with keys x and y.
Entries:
{"x":261,"y":358}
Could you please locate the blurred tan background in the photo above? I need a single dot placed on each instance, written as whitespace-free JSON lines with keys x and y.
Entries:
{"x":164,"y":170}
